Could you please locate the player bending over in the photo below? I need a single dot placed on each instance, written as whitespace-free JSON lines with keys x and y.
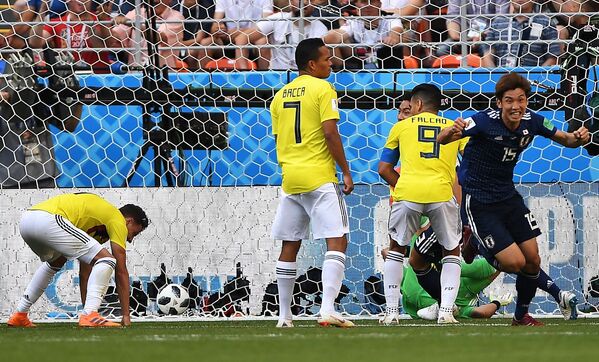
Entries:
{"x":504,"y":228}
{"x":304,"y":123}
{"x":72,"y":226}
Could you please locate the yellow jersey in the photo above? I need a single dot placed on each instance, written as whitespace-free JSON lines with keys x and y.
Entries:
{"x":90,"y":213}
{"x":298,"y":111}
{"x":427,"y":167}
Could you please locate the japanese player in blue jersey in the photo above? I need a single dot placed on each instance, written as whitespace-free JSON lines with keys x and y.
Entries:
{"x":504,"y":228}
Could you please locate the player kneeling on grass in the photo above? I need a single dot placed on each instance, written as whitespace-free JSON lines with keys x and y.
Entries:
{"x":72,"y":226}
{"x":504,"y":229}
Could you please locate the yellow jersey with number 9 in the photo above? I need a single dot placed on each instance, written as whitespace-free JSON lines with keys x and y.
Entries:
{"x":298,"y":111}
{"x":427,"y":167}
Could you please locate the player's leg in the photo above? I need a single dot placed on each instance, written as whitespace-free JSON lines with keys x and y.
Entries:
{"x":524,"y":229}
{"x":445,"y":220}
{"x":102,"y":266}
{"x":566,"y":300}
{"x":290,"y":225}
{"x":33,"y":228}
{"x":425,"y":253}
{"x":404,"y":221}
{"x":329,"y":218}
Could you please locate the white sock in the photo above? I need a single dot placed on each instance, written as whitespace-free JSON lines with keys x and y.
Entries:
{"x":41,"y":278}
{"x":98,"y":283}
{"x":392,"y":274}
{"x":286,"y":273}
{"x":333,"y":272}
{"x":450,"y":282}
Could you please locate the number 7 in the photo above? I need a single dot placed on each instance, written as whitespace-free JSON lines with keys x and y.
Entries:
{"x":298,"y":111}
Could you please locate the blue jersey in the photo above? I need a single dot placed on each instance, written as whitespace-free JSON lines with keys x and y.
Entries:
{"x":487,"y":168}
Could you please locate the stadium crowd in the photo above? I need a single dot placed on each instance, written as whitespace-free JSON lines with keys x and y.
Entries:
{"x":261,"y":34}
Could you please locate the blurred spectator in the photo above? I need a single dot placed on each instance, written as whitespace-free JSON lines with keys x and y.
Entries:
{"x":476,"y":26}
{"x":197,"y":31}
{"x":377,"y":39}
{"x":170,"y":32}
{"x":231,"y":17}
{"x":30,"y":11}
{"x":62,"y":33}
{"x":569,"y":25}
{"x":508,"y":51}
{"x":281,"y":30}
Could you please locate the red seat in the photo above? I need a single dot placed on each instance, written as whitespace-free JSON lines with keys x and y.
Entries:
{"x":410,"y":63}
{"x":455,"y":61}
{"x":227,"y":65}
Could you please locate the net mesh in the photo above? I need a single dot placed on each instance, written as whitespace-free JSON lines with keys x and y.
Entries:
{"x":165,"y":104}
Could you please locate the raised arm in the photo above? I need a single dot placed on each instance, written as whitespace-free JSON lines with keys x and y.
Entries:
{"x":575,"y":139}
{"x":122,"y":281}
{"x":453,"y":133}
{"x":333,"y":139}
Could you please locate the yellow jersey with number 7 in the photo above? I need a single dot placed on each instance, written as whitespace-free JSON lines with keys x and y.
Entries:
{"x":298,"y":111}
{"x":427,"y":167}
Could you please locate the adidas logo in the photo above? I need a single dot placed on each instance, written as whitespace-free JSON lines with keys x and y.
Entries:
{"x":498,"y":138}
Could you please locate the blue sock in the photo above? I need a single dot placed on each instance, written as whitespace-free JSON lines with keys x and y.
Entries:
{"x":547,"y":284}
{"x":526,"y":287}
{"x":430,"y":281}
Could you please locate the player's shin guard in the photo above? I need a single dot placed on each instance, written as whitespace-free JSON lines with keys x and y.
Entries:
{"x":98,"y":283}
{"x":450,"y":282}
{"x":430,"y":281}
{"x":39,"y":282}
{"x":545,"y":283}
{"x":333,"y":272}
{"x":526,"y":286}
{"x":392,"y":274}
{"x":286,"y":273}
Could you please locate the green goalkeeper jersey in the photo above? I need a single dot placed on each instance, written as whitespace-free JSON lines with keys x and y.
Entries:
{"x":474,"y":278}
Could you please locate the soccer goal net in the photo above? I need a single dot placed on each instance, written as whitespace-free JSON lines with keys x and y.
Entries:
{"x":164,"y":104}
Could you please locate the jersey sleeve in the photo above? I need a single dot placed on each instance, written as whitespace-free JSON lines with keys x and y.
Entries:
{"x":545,"y":127}
{"x":267,"y":26}
{"x":390,"y":152}
{"x":329,"y":108}
{"x":219,"y":7}
{"x":475,"y":124}
{"x":274,"y":116}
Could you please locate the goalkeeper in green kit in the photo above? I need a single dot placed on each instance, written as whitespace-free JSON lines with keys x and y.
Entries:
{"x":474,"y":278}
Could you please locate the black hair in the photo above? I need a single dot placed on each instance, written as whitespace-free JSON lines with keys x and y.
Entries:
{"x":137,"y":213}
{"x":306,"y":50}
{"x":429,"y":94}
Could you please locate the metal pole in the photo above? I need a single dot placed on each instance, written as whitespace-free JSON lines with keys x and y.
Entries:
{"x":301,"y":21}
{"x":464,"y":31}
{"x":137,"y":54}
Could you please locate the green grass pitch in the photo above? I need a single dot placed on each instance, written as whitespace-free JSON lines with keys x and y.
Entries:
{"x":486,"y":341}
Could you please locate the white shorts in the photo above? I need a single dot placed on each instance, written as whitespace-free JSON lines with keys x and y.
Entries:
{"x":404,"y":221}
{"x":50,"y":236}
{"x":324,"y":207}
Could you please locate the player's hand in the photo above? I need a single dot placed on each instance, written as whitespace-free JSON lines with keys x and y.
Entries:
{"x":582,"y":135}
{"x":348,"y":184}
{"x":391,"y":40}
{"x":126,"y":321}
{"x":458,"y":126}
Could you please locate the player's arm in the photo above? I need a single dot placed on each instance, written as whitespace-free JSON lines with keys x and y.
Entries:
{"x":453,"y":133}
{"x":388,"y":173}
{"x":575,"y":139}
{"x":122,"y":281}
{"x":333,"y":139}
{"x":84,"y":271}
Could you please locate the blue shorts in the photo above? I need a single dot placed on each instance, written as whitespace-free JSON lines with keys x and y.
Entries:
{"x":498,"y":225}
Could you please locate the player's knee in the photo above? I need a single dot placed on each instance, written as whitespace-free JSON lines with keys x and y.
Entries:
{"x":533,"y":264}
{"x":514,"y":265}
{"x":109,"y":261}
